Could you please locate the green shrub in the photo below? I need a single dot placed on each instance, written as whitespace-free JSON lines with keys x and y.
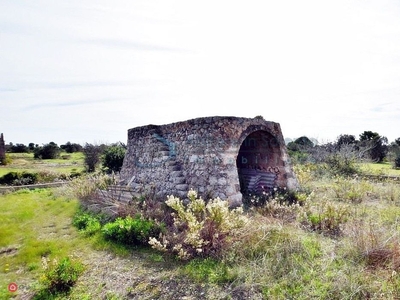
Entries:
{"x":113,"y":157}
{"x":86,"y":223}
{"x":19,"y":178}
{"x":48,"y":151}
{"x":339,"y":164}
{"x":130,"y":231}
{"x":59,"y":277}
{"x":397,"y":162}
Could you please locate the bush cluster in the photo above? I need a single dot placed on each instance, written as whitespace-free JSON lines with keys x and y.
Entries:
{"x":199,"y":229}
{"x":47,"y":151}
{"x":124,"y":230}
{"x":397,"y":162}
{"x":130,"y":230}
{"x":87,"y":223}
{"x":19,"y":178}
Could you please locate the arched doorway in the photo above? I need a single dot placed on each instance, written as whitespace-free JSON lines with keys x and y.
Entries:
{"x":257,"y":163}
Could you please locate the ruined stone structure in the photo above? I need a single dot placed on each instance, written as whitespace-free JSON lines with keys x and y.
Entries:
{"x":222,"y":157}
{"x":2,"y":149}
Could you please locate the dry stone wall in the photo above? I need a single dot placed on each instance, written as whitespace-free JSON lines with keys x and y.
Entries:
{"x":217,"y":156}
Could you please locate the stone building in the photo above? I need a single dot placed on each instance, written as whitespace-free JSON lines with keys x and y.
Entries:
{"x":2,"y":149}
{"x":222,"y":157}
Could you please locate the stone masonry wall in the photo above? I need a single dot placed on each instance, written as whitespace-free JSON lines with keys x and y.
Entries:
{"x":217,"y":156}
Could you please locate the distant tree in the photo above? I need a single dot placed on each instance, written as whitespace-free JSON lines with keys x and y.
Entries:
{"x":299,"y":150}
{"x":304,"y":141}
{"x":71,"y":147}
{"x":300,"y":143}
{"x":31,"y":146}
{"x":18,"y":148}
{"x":47,"y":151}
{"x":374,"y":145}
{"x":393,"y":154}
{"x":397,"y":162}
{"x":397,"y":141}
{"x":345,"y":140}
{"x":113,"y":157}
{"x":368,"y":136}
{"x":92,"y":156}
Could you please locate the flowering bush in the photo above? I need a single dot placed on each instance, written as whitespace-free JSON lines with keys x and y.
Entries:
{"x":59,"y":277}
{"x":199,"y":229}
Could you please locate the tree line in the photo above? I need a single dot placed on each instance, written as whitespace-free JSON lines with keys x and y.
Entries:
{"x":369,"y":146}
{"x":110,"y":156}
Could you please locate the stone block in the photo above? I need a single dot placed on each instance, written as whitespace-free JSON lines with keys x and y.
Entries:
{"x":182,"y":187}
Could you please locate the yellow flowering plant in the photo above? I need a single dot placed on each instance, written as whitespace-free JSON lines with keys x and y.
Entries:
{"x":199,"y":228}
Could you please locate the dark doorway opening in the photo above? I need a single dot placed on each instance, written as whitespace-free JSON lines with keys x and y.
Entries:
{"x":257,"y":163}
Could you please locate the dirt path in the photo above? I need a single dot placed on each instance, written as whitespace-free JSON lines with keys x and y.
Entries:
{"x":108,"y":276}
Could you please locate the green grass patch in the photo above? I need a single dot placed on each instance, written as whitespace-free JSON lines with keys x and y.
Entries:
{"x":209,"y":270}
{"x":385,"y":168}
{"x":34,"y":225}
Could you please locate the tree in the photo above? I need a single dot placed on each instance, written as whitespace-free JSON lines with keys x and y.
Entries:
{"x":394,"y":153}
{"x":344,"y":140}
{"x":114,"y":157}
{"x":47,"y":151}
{"x":373,"y":144}
{"x":299,"y":150}
{"x":92,"y":156}
{"x":19,"y":148}
{"x":368,"y":136}
{"x":71,"y":147}
{"x":304,"y":141}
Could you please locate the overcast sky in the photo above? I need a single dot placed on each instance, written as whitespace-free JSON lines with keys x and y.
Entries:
{"x":88,"y":70}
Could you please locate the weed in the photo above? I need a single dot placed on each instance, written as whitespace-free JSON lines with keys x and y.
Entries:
{"x":353,"y":191}
{"x":377,"y":246}
{"x":58,"y":277}
{"x":325,"y":217}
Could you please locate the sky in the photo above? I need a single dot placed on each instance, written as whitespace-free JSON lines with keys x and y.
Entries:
{"x":88,"y":70}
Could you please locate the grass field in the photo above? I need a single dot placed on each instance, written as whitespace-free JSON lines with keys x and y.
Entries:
{"x":380,"y":169}
{"x":343,"y":242}
{"x":25,"y":162}
{"x":280,"y":254}
{"x":35,"y":224}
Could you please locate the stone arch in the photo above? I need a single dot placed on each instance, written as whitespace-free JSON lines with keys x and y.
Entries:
{"x":258,"y":161}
